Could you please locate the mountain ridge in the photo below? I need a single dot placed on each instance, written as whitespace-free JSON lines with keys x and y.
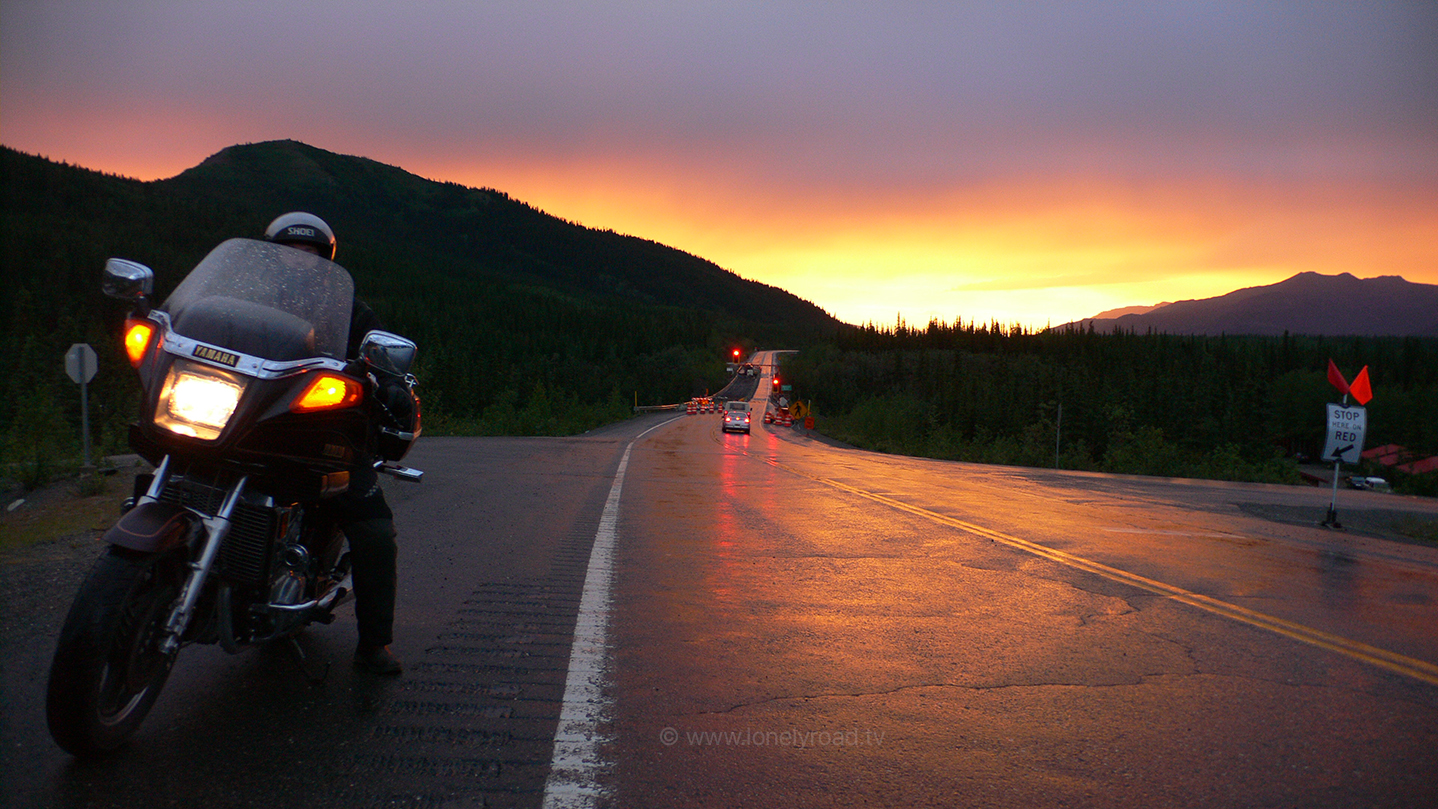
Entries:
{"x":369,"y":202}
{"x":1306,"y":303}
{"x":386,"y":216}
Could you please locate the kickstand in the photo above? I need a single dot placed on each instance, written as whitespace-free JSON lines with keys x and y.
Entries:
{"x":315,"y":678}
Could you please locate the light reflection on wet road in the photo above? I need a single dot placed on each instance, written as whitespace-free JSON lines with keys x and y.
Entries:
{"x":800,"y":625}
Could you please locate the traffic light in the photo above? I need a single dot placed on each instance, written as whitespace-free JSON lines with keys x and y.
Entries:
{"x":736,"y":354}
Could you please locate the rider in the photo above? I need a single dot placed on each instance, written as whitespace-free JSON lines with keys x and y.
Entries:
{"x":361,"y":511}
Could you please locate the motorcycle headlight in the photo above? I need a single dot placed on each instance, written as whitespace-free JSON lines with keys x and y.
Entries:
{"x":198,"y":401}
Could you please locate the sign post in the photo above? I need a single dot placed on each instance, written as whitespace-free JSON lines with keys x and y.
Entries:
{"x":1343,"y":444}
{"x":81,"y":365}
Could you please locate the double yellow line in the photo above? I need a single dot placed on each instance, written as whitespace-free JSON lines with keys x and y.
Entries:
{"x":1382,"y":658}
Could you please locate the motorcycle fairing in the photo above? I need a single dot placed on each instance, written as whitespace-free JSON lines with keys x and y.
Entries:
{"x":153,"y":527}
{"x":223,"y":354}
{"x":266,"y":317}
{"x":266,"y":300}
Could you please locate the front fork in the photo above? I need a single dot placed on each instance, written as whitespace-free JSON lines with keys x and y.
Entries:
{"x":216,"y":529}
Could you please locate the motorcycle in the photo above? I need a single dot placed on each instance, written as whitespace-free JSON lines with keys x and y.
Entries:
{"x":252,"y":418}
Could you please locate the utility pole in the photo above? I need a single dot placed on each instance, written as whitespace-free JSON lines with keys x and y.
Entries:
{"x":1058,"y":433}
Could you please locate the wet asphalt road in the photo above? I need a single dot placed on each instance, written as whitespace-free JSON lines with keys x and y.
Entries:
{"x":795,"y":624}
{"x":824,"y":628}
{"x":494,"y":546}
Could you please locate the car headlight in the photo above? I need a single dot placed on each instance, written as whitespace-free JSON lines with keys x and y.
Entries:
{"x":198,"y":401}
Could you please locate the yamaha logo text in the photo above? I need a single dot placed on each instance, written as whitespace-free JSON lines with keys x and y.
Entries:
{"x":216,"y":355}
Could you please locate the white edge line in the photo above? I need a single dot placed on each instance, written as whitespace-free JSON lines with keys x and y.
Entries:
{"x":575,"y":766}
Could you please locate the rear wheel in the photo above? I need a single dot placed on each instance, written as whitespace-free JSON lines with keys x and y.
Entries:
{"x":108,"y":668}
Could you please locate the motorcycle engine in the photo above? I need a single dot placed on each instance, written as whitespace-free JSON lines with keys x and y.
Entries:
{"x":288,"y":586}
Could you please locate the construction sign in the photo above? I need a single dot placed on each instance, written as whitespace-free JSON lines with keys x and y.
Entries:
{"x":1346,"y":426}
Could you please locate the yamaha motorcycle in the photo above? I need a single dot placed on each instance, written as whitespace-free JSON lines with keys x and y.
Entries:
{"x":252,"y":418}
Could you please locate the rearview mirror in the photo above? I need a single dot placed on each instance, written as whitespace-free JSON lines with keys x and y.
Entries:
{"x":128,"y":280}
{"x":388,"y":352}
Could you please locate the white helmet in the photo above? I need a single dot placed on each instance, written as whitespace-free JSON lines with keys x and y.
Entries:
{"x":299,"y":227}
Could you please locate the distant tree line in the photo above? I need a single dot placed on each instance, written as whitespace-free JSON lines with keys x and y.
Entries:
{"x":1241,"y":408}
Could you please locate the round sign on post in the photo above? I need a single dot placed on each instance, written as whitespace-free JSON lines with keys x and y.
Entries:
{"x":81,"y":363}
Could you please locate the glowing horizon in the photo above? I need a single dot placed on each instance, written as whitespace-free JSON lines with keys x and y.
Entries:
{"x":1025,"y":253}
{"x":1022,"y":253}
{"x":1022,"y":164}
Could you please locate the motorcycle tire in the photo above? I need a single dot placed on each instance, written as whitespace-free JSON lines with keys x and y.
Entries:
{"x":108,"y":668}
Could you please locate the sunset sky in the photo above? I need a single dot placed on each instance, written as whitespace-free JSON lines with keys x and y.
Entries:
{"x":1026,"y":162}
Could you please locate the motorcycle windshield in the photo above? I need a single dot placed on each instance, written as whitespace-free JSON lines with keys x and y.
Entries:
{"x":265,"y":300}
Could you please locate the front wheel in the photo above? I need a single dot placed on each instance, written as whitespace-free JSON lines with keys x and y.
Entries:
{"x":108,"y":668}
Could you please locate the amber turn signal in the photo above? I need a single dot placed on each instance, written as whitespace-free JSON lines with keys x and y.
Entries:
{"x":328,"y":392}
{"x":137,"y":339}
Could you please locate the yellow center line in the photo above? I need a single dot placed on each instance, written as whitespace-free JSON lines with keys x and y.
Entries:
{"x":1383,"y":658}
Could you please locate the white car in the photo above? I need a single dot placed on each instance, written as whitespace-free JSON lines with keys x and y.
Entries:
{"x":1370,"y":483}
{"x":736,"y":417}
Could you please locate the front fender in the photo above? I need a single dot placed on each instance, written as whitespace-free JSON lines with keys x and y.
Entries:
{"x":152,"y":528}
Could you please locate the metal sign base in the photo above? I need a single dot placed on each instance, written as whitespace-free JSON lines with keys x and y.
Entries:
{"x":1331,"y":521}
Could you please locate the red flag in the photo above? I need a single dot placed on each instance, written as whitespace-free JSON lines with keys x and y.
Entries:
{"x":1336,"y":379}
{"x":1360,"y":387}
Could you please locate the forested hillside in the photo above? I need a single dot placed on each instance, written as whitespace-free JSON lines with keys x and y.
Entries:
{"x":1242,"y":408}
{"x":526,"y":323}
